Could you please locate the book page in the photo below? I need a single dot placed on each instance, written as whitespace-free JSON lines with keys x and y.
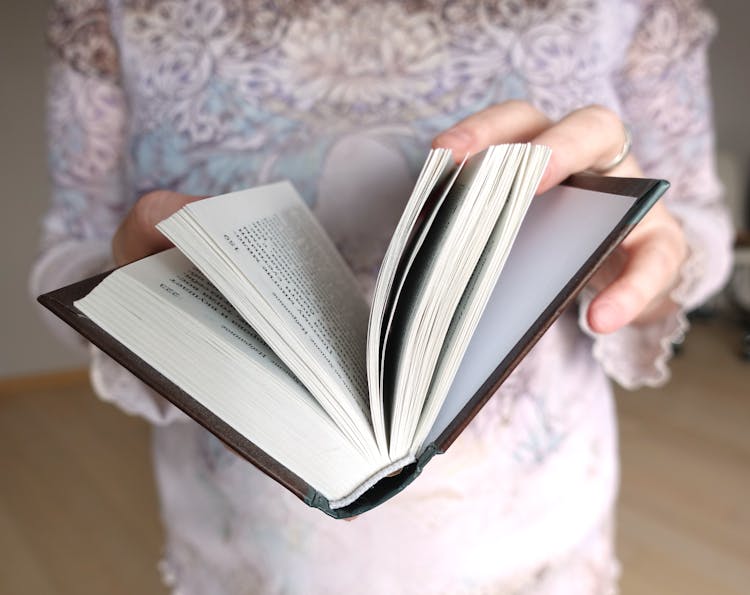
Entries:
{"x":301,"y":277}
{"x":480,"y":285}
{"x":176,"y":280}
{"x":408,"y":290}
{"x":268,"y":256}
{"x":432,"y":185}
{"x":437,"y":278}
{"x":168,"y":314}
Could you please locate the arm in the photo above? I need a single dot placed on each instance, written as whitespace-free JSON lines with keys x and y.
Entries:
{"x":87,"y":119}
{"x":680,"y":253}
{"x":664,"y":90}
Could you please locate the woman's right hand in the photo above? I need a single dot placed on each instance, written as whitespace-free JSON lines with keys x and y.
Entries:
{"x":137,"y":236}
{"x":635,"y":283}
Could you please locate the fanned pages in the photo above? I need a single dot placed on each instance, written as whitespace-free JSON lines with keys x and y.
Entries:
{"x":159,"y":305}
{"x":256,"y":327}
{"x":432,"y":186}
{"x":480,"y":285}
{"x":268,"y":256}
{"x":438,"y":278}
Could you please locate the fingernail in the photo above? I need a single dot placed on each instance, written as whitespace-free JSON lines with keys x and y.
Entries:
{"x":605,"y":317}
{"x":544,"y":181}
{"x":453,"y":138}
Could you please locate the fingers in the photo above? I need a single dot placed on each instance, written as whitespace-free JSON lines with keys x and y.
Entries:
{"x":643,"y":286}
{"x":509,"y":122}
{"x":587,"y":138}
{"x":137,"y":236}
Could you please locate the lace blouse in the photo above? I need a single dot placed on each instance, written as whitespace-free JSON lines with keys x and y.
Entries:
{"x":343,"y":97}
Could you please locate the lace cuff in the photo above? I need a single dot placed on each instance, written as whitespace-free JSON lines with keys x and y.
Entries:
{"x":637,"y":355}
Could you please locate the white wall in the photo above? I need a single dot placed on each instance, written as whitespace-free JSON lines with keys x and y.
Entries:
{"x":25,"y":345}
{"x":730,"y":69}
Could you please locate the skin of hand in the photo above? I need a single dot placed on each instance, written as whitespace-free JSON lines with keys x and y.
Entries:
{"x":137,"y":236}
{"x":634,"y":283}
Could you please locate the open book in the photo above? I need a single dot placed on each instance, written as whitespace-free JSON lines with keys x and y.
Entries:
{"x":255,"y":326}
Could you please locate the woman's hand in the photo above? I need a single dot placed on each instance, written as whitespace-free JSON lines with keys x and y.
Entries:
{"x":137,"y":235}
{"x":635,"y":281}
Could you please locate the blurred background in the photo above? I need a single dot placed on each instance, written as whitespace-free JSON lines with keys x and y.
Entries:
{"x":77,"y":508}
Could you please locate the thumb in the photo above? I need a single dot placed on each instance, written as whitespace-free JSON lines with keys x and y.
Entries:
{"x":137,"y":235}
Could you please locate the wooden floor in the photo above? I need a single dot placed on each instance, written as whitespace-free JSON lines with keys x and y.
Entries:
{"x":684,"y":514}
{"x":78,"y":514}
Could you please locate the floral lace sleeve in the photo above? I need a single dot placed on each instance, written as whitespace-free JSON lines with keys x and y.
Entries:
{"x":665,"y":98}
{"x":86,"y":124}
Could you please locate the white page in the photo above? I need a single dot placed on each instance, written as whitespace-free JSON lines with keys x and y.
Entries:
{"x":437,"y":171}
{"x":268,"y":256}
{"x":162,"y":311}
{"x":284,"y":252}
{"x":448,"y":258}
{"x":562,"y":229}
{"x":176,"y":280}
{"x":480,"y":285}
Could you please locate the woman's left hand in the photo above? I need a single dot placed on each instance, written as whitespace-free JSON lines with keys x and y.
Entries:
{"x":634,"y":283}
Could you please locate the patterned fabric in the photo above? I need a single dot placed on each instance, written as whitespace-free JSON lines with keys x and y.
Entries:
{"x":343,"y":98}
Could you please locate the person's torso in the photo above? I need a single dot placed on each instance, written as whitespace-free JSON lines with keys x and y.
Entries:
{"x":343,"y":99}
